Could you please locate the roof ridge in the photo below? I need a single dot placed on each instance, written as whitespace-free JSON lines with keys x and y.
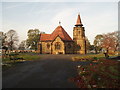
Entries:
{"x":58,"y":31}
{"x":64,"y":35}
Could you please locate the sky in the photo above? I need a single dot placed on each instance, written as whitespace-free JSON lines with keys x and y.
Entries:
{"x":97,"y":17}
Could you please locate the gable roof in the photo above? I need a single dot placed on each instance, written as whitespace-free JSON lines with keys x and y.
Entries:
{"x":44,"y":37}
{"x":59,"y":31}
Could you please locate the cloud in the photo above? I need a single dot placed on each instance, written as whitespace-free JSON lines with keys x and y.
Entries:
{"x":11,"y":5}
{"x":67,"y":17}
{"x":99,"y":24}
{"x":97,"y":18}
{"x":62,"y":16}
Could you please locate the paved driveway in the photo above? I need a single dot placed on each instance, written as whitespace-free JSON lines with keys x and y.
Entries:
{"x":51,"y":71}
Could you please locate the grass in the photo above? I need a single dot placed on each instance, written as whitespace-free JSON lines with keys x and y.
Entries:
{"x":105,"y":74}
{"x":105,"y":69}
{"x":30,"y":57}
{"x":88,"y":57}
{"x":113,"y":69}
{"x":7,"y":63}
{"x":25,"y":56}
{"x":91,"y":57}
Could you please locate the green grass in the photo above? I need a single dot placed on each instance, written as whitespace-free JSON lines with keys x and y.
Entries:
{"x":30,"y":57}
{"x":25,"y":56}
{"x":112,"y":68}
{"x":91,"y":56}
{"x":7,"y":63}
{"x":105,"y":74}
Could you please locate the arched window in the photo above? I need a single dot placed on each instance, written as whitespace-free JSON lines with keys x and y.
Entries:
{"x":78,"y":47}
{"x":57,"y":45}
{"x":48,"y":45}
{"x":69,"y":45}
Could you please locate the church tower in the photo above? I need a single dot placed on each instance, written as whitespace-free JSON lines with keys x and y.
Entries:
{"x":79,"y":37}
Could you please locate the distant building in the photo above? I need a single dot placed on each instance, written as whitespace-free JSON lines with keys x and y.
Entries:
{"x":59,"y":42}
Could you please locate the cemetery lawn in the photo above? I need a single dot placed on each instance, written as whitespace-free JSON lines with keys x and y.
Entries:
{"x":19,"y":58}
{"x":30,"y":57}
{"x":64,"y":71}
{"x":100,"y":73}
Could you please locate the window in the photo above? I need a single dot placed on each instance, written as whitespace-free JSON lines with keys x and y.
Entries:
{"x":48,"y":45}
{"x":78,"y":47}
{"x":69,"y":45}
{"x":57,"y":45}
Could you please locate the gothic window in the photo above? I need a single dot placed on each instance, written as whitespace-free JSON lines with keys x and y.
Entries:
{"x":78,"y":46}
{"x":48,"y":45}
{"x":57,"y":45}
{"x":69,"y":45}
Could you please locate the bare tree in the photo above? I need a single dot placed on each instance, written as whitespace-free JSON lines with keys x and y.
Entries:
{"x":12,"y":39}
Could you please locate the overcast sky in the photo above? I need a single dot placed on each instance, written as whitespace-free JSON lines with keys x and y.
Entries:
{"x":97,"y":17}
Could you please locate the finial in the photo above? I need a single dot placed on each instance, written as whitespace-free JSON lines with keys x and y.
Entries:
{"x":59,"y":23}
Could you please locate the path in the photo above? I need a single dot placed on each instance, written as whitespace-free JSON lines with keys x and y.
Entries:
{"x":51,"y":71}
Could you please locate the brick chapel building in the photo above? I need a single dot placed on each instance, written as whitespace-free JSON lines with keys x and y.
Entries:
{"x":59,"y":42}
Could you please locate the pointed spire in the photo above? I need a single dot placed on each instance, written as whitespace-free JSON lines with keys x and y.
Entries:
{"x":79,"y":22}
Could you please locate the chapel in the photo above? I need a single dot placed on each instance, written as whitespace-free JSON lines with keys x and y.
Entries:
{"x":59,"y":42}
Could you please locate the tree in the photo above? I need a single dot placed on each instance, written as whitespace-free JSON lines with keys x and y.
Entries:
{"x":22,"y":45}
{"x":110,"y":41}
{"x":42,"y":32}
{"x":2,"y":39}
{"x":116,"y":35}
{"x":12,"y":39}
{"x":87,"y":44}
{"x":5,"y":48}
{"x":33,"y":38}
{"x":92,"y":47}
{"x":98,"y":43}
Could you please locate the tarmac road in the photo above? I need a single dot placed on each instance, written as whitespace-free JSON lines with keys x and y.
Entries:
{"x":50,"y":71}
